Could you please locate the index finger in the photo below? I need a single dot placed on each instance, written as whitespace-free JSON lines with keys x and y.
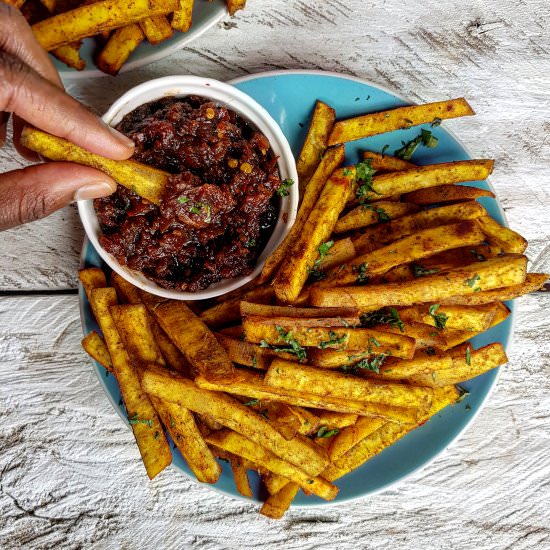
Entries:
{"x":42,"y":104}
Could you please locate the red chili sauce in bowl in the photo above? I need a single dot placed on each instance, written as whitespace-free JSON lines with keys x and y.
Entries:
{"x":219,"y":208}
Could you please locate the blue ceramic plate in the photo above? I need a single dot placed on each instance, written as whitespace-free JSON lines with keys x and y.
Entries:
{"x":289,"y":97}
{"x":205,"y":15}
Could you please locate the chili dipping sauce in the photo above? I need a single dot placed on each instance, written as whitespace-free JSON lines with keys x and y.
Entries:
{"x":219,"y":208}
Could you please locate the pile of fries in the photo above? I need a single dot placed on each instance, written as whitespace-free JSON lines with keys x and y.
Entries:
{"x":355,"y":333}
{"x":119,"y":26}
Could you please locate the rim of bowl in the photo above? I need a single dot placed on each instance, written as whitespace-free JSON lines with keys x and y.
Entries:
{"x":252,"y":112}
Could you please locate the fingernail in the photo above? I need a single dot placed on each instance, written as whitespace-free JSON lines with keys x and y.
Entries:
{"x":93,"y":190}
{"x":126,"y":141}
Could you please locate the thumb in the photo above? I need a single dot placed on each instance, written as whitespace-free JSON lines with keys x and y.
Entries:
{"x":37,"y":191}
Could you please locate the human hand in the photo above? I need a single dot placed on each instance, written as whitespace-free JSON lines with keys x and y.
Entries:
{"x":31,"y":91}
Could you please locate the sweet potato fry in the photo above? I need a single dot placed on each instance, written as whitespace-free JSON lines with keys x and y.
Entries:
{"x":446,"y":193}
{"x":293,"y":376}
{"x":311,"y":322}
{"x":293,"y":337}
{"x":261,"y":310}
{"x":142,"y":416}
{"x":532,"y":283}
{"x":408,"y":249}
{"x":294,"y":270}
{"x":332,"y":158}
{"x":70,"y":55}
{"x":89,"y":20}
{"x":277,"y":504}
{"x":146,"y":181}
{"x":503,"y":237}
{"x":96,"y":348}
{"x":340,"y":252}
{"x":315,"y":143}
{"x":370,"y":214}
{"x":252,"y":385}
{"x":383,"y":163}
{"x":380,"y":234}
{"x":240,"y":475}
{"x":156,"y":29}
{"x":193,"y":338}
{"x":244,"y":353}
{"x":228,"y":312}
{"x":134,"y":327}
{"x":376,"y":441}
{"x":235,"y":5}
{"x":452,"y":259}
{"x":395,"y":119}
{"x":494,"y":273}
{"x":129,"y":294}
{"x":425,"y":336}
{"x":232,"y":414}
{"x":420,"y":364}
{"x":273,"y":482}
{"x":183,"y":16}
{"x":120,"y":45}
{"x":349,"y":436}
{"x":331,"y":420}
{"x":239,"y":445}
{"x":473,"y":319}
{"x":183,"y":430}
{"x":469,"y":366}
{"x":397,"y":183}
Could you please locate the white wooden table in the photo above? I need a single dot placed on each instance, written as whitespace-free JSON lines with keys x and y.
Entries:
{"x":70,"y":475}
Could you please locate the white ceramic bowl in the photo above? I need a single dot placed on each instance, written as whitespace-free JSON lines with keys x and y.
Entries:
{"x":252,"y":112}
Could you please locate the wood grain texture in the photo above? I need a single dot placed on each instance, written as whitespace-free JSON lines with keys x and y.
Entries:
{"x":70,"y":475}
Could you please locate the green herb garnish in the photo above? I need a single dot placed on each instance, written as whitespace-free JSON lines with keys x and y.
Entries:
{"x":364,"y":173}
{"x":294,"y":347}
{"x":425,"y":138}
{"x":183,"y":200}
{"x":251,"y":403}
{"x":283,"y":189}
{"x":361,"y":270}
{"x":440,"y":319}
{"x":468,"y":356}
{"x":251,"y":243}
{"x":347,"y":172}
{"x":384,"y":316}
{"x":325,"y":432}
{"x":136,"y":420}
{"x":315,"y":271}
{"x":472,"y":282}
{"x":420,"y":271}
{"x":372,"y":363}
{"x":383,"y":216}
{"x":333,"y":340}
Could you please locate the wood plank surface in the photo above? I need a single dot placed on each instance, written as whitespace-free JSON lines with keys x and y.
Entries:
{"x":70,"y":475}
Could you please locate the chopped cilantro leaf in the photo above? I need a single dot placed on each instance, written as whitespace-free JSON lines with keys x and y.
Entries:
{"x":333,"y":340}
{"x":347,"y":172}
{"x":472,"y":282}
{"x":136,"y":420}
{"x":425,"y":138}
{"x":468,"y":356}
{"x":384,"y":316}
{"x":325,"y":432}
{"x":294,"y":347}
{"x":420,"y":271}
{"x":283,"y":189}
{"x":361,"y":270}
{"x":183,"y":200}
{"x":383,"y":216}
{"x":251,"y":403}
{"x":440,"y":319}
{"x":364,"y":173}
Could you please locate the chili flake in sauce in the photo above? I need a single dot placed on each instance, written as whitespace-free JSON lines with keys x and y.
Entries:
{"x":219,"y":208}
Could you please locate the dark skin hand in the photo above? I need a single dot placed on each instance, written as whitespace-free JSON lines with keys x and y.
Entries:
{"x":31,"y":92}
